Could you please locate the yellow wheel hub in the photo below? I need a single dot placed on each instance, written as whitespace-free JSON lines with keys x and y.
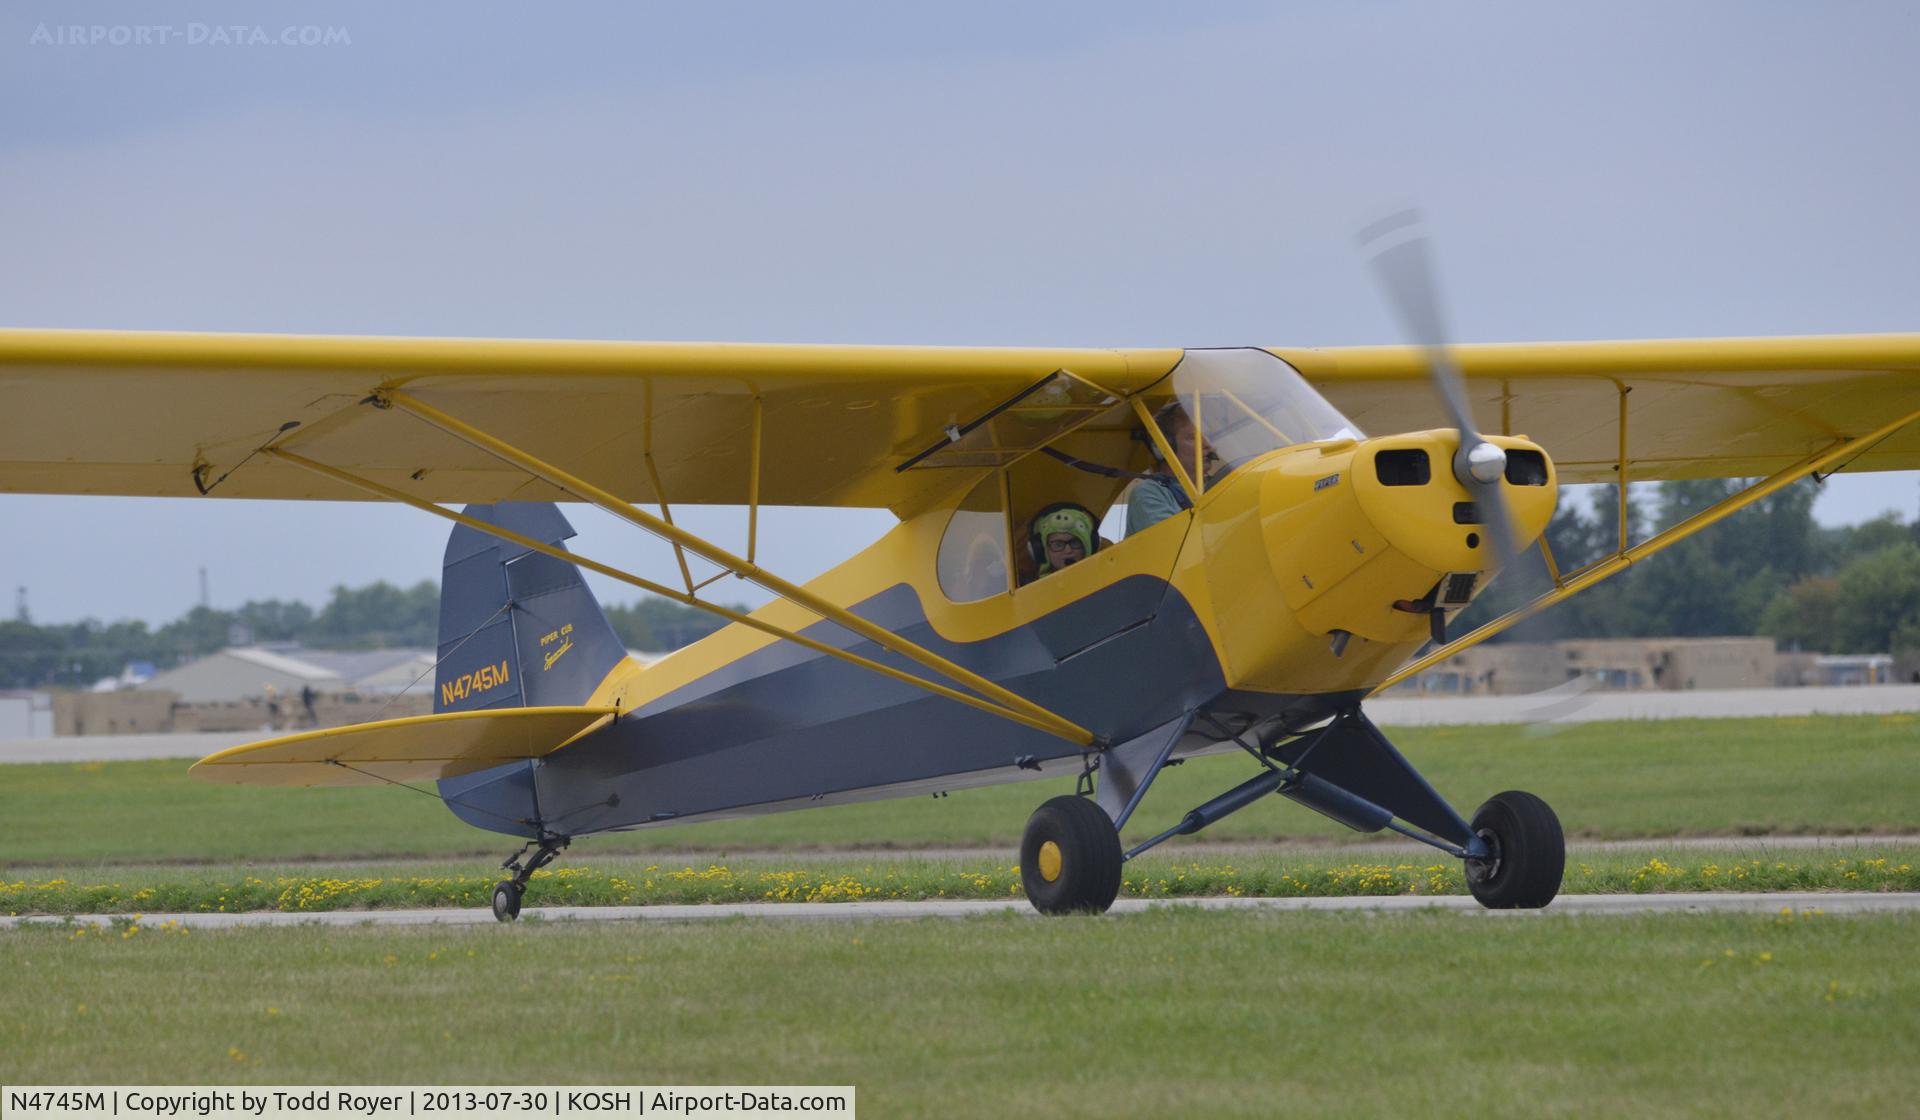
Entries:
{"x":1050,"y":861}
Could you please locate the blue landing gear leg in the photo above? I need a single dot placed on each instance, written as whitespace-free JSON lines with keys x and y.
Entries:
{"x":1514,"y":850}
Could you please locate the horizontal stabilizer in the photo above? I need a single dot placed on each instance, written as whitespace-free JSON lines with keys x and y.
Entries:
{"x":403,"y":750}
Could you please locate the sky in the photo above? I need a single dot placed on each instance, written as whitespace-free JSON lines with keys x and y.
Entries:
{"x":1071,"y":174}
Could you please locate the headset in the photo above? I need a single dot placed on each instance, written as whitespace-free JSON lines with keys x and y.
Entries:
{"x":1162,"y":418}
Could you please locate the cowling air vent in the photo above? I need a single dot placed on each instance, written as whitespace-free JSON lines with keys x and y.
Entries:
{"x":1407,"y":466}
{"x":1526,"y":467}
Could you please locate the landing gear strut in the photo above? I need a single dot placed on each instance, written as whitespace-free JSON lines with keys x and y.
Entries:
{"x":507,"y":893}
{"x":1514,"y":850}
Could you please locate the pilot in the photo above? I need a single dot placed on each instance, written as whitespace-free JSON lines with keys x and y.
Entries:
{"x":1158,"y":496}
{"x":1062,"y":535}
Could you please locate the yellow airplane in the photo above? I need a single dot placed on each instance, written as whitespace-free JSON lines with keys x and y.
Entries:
{"x":1298,"y":564}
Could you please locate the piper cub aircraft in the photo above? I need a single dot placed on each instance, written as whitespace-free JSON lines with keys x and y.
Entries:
{"x":1321,"y":513}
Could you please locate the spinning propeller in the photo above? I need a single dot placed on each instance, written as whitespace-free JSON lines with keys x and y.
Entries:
{"x":1396,"y":247}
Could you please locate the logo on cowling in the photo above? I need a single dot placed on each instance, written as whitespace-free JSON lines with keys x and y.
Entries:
{"x":483,"y":679}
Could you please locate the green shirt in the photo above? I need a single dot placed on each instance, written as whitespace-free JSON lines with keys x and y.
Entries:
{"x":1151,"y":501}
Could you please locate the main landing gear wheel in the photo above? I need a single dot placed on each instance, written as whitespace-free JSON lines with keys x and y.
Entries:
{"x":506,"y":900}
{"x":1070,"y":858}
{"x":1529,"y":853}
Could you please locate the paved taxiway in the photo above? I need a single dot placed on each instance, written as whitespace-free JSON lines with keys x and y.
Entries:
{"x":1721,"y":902}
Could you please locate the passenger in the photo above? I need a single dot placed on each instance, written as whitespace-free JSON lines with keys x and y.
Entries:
{"x":1061,"y":536}
{"x":1157,"y":497}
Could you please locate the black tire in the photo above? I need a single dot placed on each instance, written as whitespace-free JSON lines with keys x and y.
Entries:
{"x":1084,"y":860}
{"x":506,"y":900}
{"x":1529,"y":853}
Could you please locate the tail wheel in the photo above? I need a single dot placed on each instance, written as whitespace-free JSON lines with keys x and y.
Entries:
{"x":506,"y":900}
{"x":1070,"y":858}
{"x":1529,"y":853}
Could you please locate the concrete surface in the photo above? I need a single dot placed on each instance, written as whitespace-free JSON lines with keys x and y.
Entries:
{"x":1558,"y":706}
{"x":1722,"y":902}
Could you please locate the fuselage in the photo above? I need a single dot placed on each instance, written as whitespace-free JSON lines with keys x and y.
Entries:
{"x":1233,"y":609}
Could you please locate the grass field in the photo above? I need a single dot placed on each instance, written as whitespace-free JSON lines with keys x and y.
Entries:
{"x":1665,"y":778}
{"x":628,"y":880}
{"x":1171,"y":1013}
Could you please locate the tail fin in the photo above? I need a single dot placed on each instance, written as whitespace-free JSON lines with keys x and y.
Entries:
{"x":518,"y":628}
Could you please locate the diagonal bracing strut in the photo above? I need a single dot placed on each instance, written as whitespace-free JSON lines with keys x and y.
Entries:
{"x":1021,"y":710}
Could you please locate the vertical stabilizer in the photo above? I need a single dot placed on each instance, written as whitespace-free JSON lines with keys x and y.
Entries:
{"x":518,"y":628}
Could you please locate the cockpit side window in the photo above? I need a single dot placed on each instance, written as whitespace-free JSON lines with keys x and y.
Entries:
{"x":972,"y":562}
{"x":1083,"y":473}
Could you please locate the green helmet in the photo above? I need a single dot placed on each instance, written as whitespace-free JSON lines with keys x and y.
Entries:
{"x":1066,"y":517}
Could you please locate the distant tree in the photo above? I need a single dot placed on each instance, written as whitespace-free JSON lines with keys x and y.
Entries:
{"x":71,"y":654}
{"x":31,"y":655}
{"x":1719,"y":581}
{"x":1604,"y":537}
{"x":377,"y":616}
{"x":1884,"y":531}
{"x":657,"y":625}
{"x":632,"y":629}
{"x":1876,"y":597}
{"x":200,"y":631}
{"x":275,"y":620}
{"x":1801,"y":615}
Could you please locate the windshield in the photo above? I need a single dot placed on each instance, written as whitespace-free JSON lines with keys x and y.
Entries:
{"x":1246,"y":403}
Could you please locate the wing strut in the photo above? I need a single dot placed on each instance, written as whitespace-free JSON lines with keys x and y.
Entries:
{"x":1568,"y":586}
{"x":997,"y":701}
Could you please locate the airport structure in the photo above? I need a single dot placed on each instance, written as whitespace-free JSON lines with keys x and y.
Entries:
{"x":25,"y":715}
{"x":251,"y":672}
{"x":241,"y":688}
{"x":1650,"y":664}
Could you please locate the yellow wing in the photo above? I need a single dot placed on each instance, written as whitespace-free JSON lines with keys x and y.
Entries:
{"x":135,"y":413}
{"x":1695,"y":408}
{"x":402,"y":750}
{"x":101,"y":412}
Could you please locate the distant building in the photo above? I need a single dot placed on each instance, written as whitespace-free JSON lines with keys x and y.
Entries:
{"x":1621,"y":665}
{"x":1854,"y":668}
{"x":136,"y":674}
{"x":249,"y":688}
{"x":251,"y":672}
{"x":26,"y":715}
{"x":132,"y":711}
{"x":377,"y":672}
